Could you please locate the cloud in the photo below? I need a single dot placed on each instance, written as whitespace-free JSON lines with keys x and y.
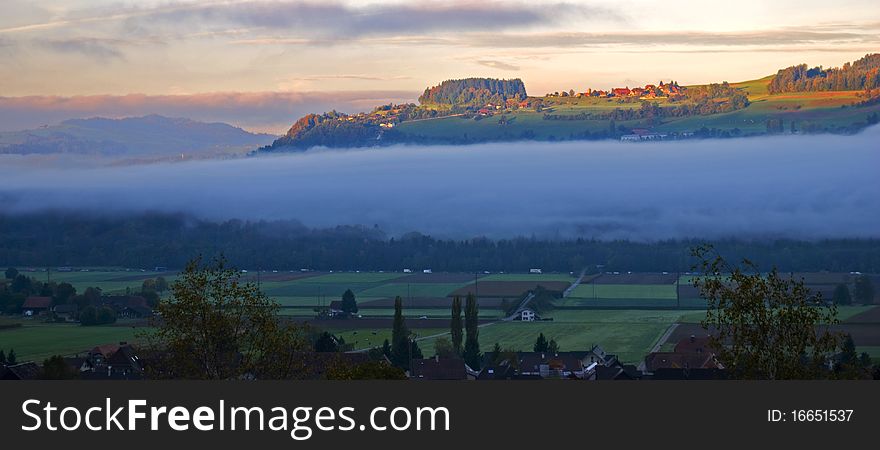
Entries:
{"x":803,"y":187}
{"x":665,"y":38}
{"x":258,"y":111}
{"x":101,"y":49}
{"x":497,"y":65}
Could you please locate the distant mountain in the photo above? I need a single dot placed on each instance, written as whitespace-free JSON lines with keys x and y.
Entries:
{"x":148,"y":137}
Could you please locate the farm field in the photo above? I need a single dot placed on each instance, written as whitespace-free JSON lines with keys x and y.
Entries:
{"x":37,"y":341}
{"x":627,"y":291}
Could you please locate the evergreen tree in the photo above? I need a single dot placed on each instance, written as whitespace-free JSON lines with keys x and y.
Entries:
{"x":472,"y":344}
{"x":541,"y":343}
{"x":455,"y":325}
{"x":11,"y":358}
{"x":349,"y":303}
{"x":552,"y":347}
{"x":11,"y":273}
{"x":386,"y":349}
{"x":399,"y":337}
{"x":2,"y":357}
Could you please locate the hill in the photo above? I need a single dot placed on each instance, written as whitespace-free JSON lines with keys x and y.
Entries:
{"x":478,"y":110}
{"x":152,"y":137}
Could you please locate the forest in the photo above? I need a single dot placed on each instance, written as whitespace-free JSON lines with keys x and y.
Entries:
{"x":148,"y":240}
{"x":861,"y":74}
{"x":474,"y":91}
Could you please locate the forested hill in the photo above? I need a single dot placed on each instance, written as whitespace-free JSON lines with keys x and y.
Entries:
{"x":475,"y":91}
{"x":861,"y":74}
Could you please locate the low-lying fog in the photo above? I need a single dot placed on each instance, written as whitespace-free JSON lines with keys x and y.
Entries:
{"x":787,"y":186}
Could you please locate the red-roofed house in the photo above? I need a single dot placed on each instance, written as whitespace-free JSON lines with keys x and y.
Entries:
{"x":620,"y":92}
{"x":36,"y":305}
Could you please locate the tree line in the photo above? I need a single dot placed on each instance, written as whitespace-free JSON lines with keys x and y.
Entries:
{"x":861,"y":74}
{"x":158,"y":239}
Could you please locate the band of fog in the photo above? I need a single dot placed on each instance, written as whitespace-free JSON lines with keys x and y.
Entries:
{"x":804,"y":187}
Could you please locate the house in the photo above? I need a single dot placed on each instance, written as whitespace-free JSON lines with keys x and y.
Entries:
{"x":535,"y":271}
{"x":111,"y":362}
{"x":336,"y":308}
{"x":620,"y":92}
{"x":437,"y":368}
{"x":36,"y":305}
{"x":66,"y":313}
{"x":630,"y":137}
{"x":23,"y":371}
{"x":427,"y":271}
{"x":689,"y":353}
{"x":528,"y":315}
{"x":128,"y":306}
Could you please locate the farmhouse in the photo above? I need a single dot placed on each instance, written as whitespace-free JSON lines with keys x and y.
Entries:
{"x":336,"y":308}
{"x":66,"y":313}
{"x":689,"y":353}
{"x":528,"y":315}
{"x":36,"y":305}
{"x":620,"y":92}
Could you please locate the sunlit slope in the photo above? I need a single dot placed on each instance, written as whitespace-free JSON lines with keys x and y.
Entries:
{"x":810,"y":111}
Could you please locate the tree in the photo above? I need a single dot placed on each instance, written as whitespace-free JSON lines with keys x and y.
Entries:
{"x":373,"y":370}
{"x":850,"y":365}
{"x":55,"y":368}
{"x":841,"y":295}
{"x":763,"y":326}
{"x":349,"y":303}
{"x":216,"y":327}
{"x":161,"y":284}
{"x":471,"y":325}
{"x":552,"y":347}
{"x":11,"y":358}
{"x":2,"y":357}
{"x":386,"y":349}
{"x":496,"y":352}
{"x":148,"y":285}
{"x":399,"y":337}
{"x":455,"y":325}
{"x":541,"y":343}
{"x":11,"y":273}
{"x":88,"y":316}
{"x":326,"y":343}
{"x":443,"y":348}
{"x":864,"y":290}
{"x":63,"y":293}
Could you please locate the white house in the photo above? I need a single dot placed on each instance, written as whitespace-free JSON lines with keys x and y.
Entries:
{"x":535,"y":271}
{"x":527,"y":315}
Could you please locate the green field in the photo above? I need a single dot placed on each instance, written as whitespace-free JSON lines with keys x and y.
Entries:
{"x":625,"y":291}
{"x":37,"y":341}
{"x":412,"y":290}
{"x":529,"y":277}
{"x":831,"y":109}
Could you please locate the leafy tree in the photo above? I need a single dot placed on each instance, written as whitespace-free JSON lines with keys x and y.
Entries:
{"x":472,"y":353}
{"x":864,"y":290}
{"x":455,"y":325}
{"x":552,"y":347}
{"x":849,"y":364}
{"x":161,"y":284}
{"x":106,"y":315}
{"x":216,"y":327}
{"x":11,"y":273}
{"x":541,"y":343}
{"x":88,"y":316}
{"x":54,"y":368}
{"x":11,"y":358}
{"x":443,"y":348}
{"x":400,"y":349}
{"x":349,"y":303}
{"x":148,"y":285}
{"x":63,"y":293}
{"x":326,"y":342}
{"x":763,"y":326}
{"x":841,"y":295}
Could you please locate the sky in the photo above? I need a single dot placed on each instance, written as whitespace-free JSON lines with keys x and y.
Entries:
{"x":80,"y":58}
{"x":763,"y":187}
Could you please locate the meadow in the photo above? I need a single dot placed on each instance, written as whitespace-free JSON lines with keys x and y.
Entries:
{"x":831,"y":109}
{"x":624,"y":313}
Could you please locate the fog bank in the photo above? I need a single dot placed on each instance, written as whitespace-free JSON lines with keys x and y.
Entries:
{"x":803,"y":187}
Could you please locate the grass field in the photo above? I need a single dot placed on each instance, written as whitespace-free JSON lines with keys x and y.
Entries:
{"x":832,"y":109}
{"x":37,"y":341}
{"x":625,"y":291}
{"x":412,"y":290}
